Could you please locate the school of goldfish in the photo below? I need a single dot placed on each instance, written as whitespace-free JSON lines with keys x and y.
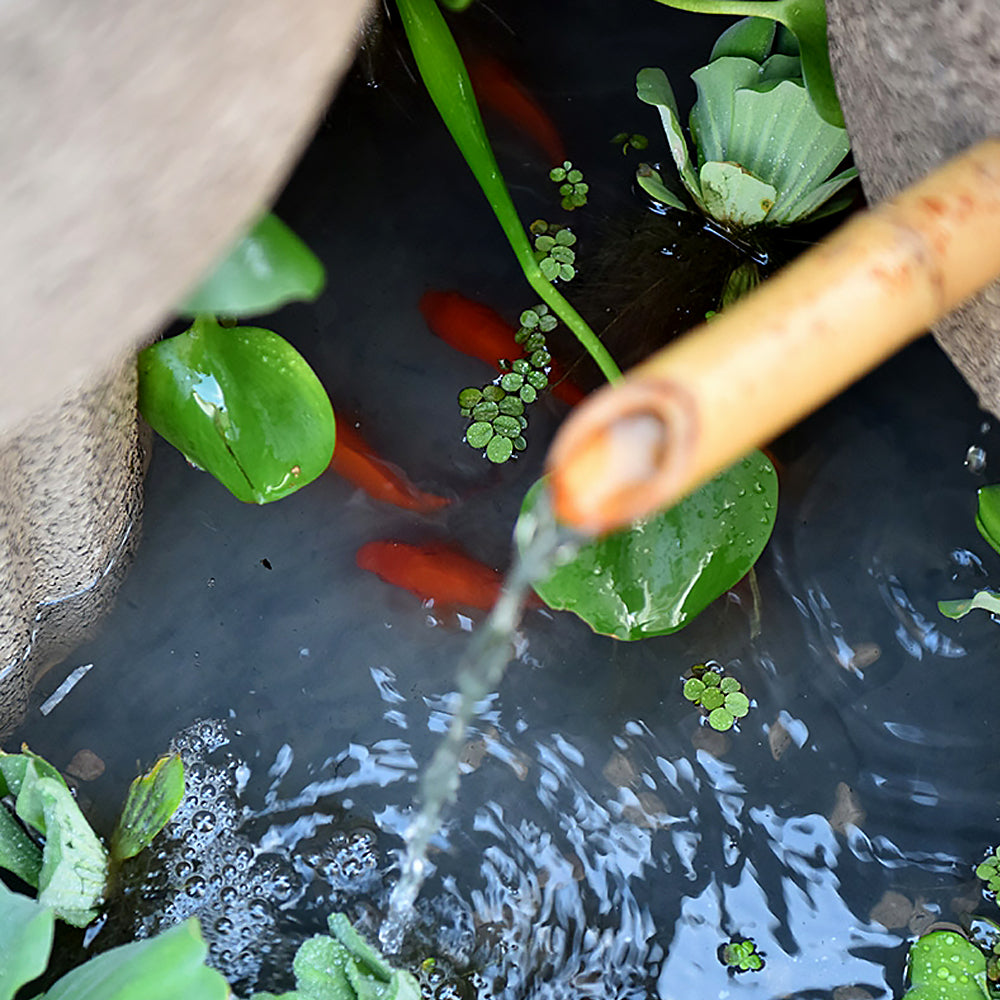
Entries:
{"x":441,"y":575}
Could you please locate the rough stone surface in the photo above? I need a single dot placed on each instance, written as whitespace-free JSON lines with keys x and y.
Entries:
{"x":70,"y":505}
{"x":919,"y":82}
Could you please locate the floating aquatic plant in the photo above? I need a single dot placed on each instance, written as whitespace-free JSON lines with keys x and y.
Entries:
{"x":741,"y":955}
{"x":572,"y":186}
{"x":988,"y":514}
{"x":944,"y":965}
{"x":554,"y":250}
{"x":989,"y":871}
{"x":987,"y":600}
{"x":764,"y":155}
{"x":629,"y":141}
{"x":718,"y":694}
{"x":497,"y":408}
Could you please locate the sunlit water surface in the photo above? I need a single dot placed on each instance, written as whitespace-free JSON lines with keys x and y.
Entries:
{"x":605,"y":843}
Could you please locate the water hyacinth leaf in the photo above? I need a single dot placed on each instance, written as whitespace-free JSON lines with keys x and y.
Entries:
{"x":267,"y":268}
{"x":946,"y":966}
{"x":988,"y":514}
{"x":653,"y":87}
{"x":152,"y":799}
{"x":780,"y":67}
{"x":806,"y":19}
{"x":170,"y":966}
{"x":657,"y":575}
{"x":734,"y":196}
{"x":26,"y":930}
{"x":18,"y":852}
{"x":712,"y":116}
{"x":984,"y":599}
{"x":750,"y":37}
{"x":777,"y":135}
{"x":240,"y":403}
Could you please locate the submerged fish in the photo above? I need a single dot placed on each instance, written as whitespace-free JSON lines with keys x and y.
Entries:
{"x":479,"y":331}
{"x":434,"y":572}
{"x":496,"y":88}
{"x":358,"y":464}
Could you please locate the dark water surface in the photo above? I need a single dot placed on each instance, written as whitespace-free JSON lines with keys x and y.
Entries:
{"x":605,"y":843}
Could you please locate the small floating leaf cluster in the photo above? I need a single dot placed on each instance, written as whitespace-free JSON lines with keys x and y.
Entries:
{"x":497,"y":408}
{"x":989,"y":871}
{"x":554,"y":250}
{"x":719,"y":695}
{"x":572,"y":186}
{"x":741,"y":956}
{"x":630,"y":140}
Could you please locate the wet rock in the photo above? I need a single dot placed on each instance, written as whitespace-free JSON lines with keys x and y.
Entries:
{"x":620,"y":771}
{"x":893,"y":911}
{"x":847,"y":809}
{"x":85,"y":765}
{"x":778,"y":739}
{"x":711,"y":741}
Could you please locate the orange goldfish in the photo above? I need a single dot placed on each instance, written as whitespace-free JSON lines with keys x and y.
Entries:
{"x":496,"y":88}
{"x":434,"y":572}
{"x":479,"y":331}
{"x":357,"y":463}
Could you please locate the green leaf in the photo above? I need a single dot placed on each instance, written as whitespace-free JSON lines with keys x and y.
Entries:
{"x":657,"y":575}
{"x":984,"y":599}
{"x":152,"y":799}
{"x":242,"y":404}
{"x":806,"y":19}
{"x":750,"y":37}
{"x":18,"y":852}
{"x":988,"y":514}
{"x":713,"y":114}
{"x":170,"y":966}
{"x":26,"y":930}
{"x":734,"y":196}
{"x":265,"y":269}
{"x":693,"y":689}
{"x":74,"y":863}
{"x":652,"y":183}
{"x":721,"y":719}
{"x":653,"y":87}
{"x":946,"y":966}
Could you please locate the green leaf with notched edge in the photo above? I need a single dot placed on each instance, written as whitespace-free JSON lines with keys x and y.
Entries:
{"x":170,"y":966}
{"x":265,"y":269}
{"x":984,"y":599}
{"x":152,"y":799}
{"x":988,"y":514}
{"x":734,"y":196}
{"x":26,"y":930}
{"x":657,"y":575}
{"x":946,"y":966}
{"x":241,"y":403}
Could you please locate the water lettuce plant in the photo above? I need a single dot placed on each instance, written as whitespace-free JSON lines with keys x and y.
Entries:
{"x":655,"y":576}
{"x":764,"y":154}
{"x":71,"y":869}
{"x":238,"y":401}
{"x":344,"y":966}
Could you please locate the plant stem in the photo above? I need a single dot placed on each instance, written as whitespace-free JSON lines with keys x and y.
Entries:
{"x":444,"y":74}
{"x":748,"y":8}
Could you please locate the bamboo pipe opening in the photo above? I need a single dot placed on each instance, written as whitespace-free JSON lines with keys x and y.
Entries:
{"x":702,"y":402}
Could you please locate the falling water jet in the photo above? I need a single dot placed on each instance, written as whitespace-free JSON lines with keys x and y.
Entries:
{"x":544,"y":545}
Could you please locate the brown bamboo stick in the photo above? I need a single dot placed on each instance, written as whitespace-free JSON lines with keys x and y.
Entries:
{"x":699,"y":404}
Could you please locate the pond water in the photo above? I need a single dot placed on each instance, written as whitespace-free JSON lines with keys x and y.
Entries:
{"x":605,"y":843}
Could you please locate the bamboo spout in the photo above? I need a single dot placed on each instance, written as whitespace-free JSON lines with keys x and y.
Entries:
{"x":698,"y":405}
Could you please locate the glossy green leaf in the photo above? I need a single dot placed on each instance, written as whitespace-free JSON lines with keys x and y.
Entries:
{"x":946,"y":966}
{"x":18,"y":852}
{"x":714,"y":111}
{"x":656,"y":576}
{"x":750,"y":37}
{"x":988,"y":514}
{"x":74,"y":862}
{"x":241,"y":403}
{"x":806,"y":19}
{"x":152,"y":799}
{"x":984,"y":599}
{"x":26,"y":930}
{"x":267,"y":268}
{"x":170,"y":966}
{"x":652,"y":183}
{"x":734,"y":196}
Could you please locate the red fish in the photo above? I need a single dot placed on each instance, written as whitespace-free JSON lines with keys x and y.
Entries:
{"x":434,"y":572}
{"x":357,"y":463}
{"x":477,"y":330}
{"x":497,"y":89}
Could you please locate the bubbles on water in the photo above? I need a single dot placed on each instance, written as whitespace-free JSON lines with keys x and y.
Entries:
{"x":975,"y":459}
